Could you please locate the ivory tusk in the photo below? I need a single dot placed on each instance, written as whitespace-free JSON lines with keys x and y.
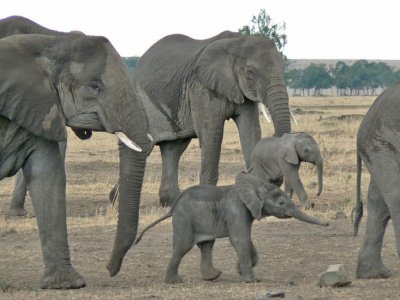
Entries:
{"x":292,"y":117}
{"x":151,"y":139}
{"x":265,"y":112}
{"x":123,"y":138}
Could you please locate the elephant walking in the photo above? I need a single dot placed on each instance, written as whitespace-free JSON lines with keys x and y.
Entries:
{"x":378,"y":146}
{"x":276,"y":158}
{"x":203,"y":213}
{"x":48,"y":83}
{"x":190,"y":87}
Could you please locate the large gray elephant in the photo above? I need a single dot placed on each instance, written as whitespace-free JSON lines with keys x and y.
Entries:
{"x":204,"y":213}
{"x":276,"y":158}
{"x":20,"y":25}
{"x":46,"y":84}
{"x":190,"y":87}
{"x":378,"y":146}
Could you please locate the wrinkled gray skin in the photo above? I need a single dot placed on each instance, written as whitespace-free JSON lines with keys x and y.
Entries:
{"x":17,"y":205}
{"x":276,"y":158}
{"x":190,"y":87}
{"x":20,"y":25}
{"x":47,"y":83}
{"x":204,"y":213}
{"x":378,"y":147}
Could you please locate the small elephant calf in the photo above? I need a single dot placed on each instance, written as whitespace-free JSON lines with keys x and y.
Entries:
{"x":204,"y":213}
{"x":277,"y":158}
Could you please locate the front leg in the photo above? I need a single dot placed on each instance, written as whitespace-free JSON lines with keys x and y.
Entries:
{"x":248,"y":124}
{"x":208,"y":271}
{"x":171,"y":152}
{"x":240,"y":239}
{"x":45,"y":177}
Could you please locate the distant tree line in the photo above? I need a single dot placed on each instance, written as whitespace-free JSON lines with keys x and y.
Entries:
{"x":360,"y":78}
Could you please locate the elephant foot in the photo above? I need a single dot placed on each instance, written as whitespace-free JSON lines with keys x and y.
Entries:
{"x":369,"y":271}
{"x":250,"y":278}
{"x":210,"y":274}
{"x":62,"y":278}
{"x":18,"y":212}
{"x":173,"y":279}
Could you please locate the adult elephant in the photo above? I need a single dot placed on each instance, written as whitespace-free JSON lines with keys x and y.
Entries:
{"x":378,"y":146}
{"x":20,"y":25}
{"x":46,"y":83}
{"x":190,"y":87}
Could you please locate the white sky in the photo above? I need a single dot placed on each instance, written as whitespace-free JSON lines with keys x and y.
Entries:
{"x":316,"y":29}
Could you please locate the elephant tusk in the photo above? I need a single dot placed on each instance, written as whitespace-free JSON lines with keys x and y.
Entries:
{"x":265,"y":112}
{"x":124,"y":139}
{"x":151,"y":139}
{"x":292,"y":117}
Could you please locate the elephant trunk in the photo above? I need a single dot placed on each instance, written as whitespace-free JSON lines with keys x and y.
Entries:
{"x":132,"y":168}
{"x":299,"y":215}
{"x":277,"y":100}
{"x":320,"y":169}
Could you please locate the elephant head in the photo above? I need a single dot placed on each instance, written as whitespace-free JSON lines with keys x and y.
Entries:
{"x":48,"y":82}
{"x":264,"y":199}
{"x":247,"y":67}
{"x":298,"y":147}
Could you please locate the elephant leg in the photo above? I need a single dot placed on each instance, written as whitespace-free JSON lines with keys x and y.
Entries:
{"x":208,"y":271}
{"x":210,"y":138}
{"x":247,"y":256}
{"x":17,"y":208}
{"x":20,"y":190}
{"x":248,"y":124}
{"x":181,"y":244}
{"x":170,"y":154}
{"x":370,"y":263}
{"x":45,"y":176}
{"x":254,"y":255}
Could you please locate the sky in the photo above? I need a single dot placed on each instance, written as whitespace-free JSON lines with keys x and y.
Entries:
{"x":316,"y":29}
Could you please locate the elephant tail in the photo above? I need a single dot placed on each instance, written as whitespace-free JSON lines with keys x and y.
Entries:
{"x":166,"y":216}
{"x":358,"y":210}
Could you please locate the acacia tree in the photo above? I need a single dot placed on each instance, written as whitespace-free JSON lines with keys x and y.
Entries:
{"x":263,"y":25}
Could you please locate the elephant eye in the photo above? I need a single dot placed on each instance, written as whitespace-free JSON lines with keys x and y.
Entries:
{"x":96,"y":87}
{"x":249,"y":73}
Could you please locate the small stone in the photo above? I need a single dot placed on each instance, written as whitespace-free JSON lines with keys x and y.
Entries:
{"x":269,"y":295}
{"x":340,"y":215}
{"x":335,"y":276}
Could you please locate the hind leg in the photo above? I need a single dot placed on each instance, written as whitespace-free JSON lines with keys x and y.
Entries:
{"x":208,"y":271}
{"x":17,"y":208}
{"x":370,"y":264}
{"x":181,"y":244}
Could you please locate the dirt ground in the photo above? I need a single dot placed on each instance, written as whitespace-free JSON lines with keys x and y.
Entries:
{"x":292,"y":254}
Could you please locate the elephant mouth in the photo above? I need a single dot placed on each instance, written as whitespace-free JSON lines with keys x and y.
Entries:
{"x":88,"y":121}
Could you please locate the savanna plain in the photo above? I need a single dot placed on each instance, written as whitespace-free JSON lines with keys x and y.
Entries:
{"x":292,"y":254}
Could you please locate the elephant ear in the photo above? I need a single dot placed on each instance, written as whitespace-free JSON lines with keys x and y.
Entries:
{"x":27,"y":95}
{"x":214,"y":68}
{"x":247,"y":187}
{"x":289,"y":152}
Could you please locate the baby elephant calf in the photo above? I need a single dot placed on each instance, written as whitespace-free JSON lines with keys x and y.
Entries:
{"x":204,"y":213}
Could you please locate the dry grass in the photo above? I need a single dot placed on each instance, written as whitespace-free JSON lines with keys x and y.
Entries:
{"x":92,"y":169}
